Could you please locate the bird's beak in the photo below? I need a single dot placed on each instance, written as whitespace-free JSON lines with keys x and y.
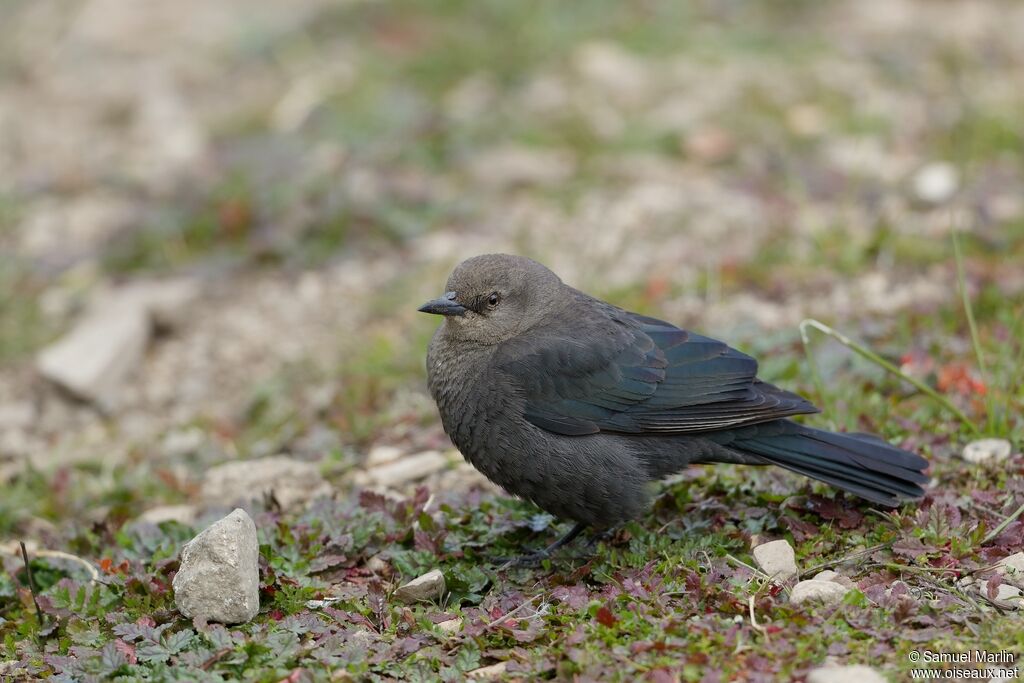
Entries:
{"x":445,"y":305}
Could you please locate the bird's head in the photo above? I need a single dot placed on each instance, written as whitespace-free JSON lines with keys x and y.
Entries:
{"x":495,"y":297}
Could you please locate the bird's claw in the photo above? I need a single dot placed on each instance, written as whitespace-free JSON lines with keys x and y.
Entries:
{"x":528,"y":560}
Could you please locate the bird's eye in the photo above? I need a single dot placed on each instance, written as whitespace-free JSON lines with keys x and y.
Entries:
{"x":492,"y":301}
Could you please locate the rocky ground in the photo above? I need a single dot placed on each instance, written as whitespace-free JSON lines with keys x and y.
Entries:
{"x":218,"y":219}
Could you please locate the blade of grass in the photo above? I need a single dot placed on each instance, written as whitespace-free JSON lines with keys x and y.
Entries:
{"x":1002,"y":525}
{"x":870,"y":355}
{"x":961,"y":280}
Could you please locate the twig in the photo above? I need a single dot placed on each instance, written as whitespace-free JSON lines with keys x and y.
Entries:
{"x":214,"y":658}
{"x":526,"y":603}
{"x":870,"y":355}
{"x":456,"y":641}
{"x":1002,"y":525}
{"x":845,"y":558}
{"x":31,"y":583}
{"x":753,"y":621}
{"x":93,"y":572}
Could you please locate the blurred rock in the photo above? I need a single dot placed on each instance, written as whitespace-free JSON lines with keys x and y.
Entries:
{"x":309,"y":91}
{"x":59,"y":232}
{"x":450,"y":627}
{"x":487,"y":672}
{"x":511,"y":165}
{"x":378,"y":565}
{"x":404,"y":470}
{"x":984,"y":450}
{"x":99,"y":353}
{"x":837,"y":673}
{"x":829,"y":575}
{"x":430,"y":586}
{"x":777,"y":560}
{"x":1006,"y":597}
{"x":219,"y":575}
{"x":470,"y":98}
{"x":291,"y":482}
{"x":614,"y":71}
{"x":1012,"y":566}
{"x":185,"y":514}
{"x":166,"y":127}
{"x":166,"y":301}
{"x":710,"y":145}
{"x":814,"y":590}
{"x":380,"y":455}
{"x":935,"y":183}
{"x":806,"y":120}
{"x":16,"y":414}
{"x":178,"y":443}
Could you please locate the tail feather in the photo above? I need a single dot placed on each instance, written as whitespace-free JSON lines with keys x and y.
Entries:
{"x":860,"y":464}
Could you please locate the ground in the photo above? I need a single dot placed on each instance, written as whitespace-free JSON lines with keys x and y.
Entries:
{"x":318,"y":168}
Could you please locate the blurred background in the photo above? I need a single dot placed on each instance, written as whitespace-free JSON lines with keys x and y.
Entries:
{"x":218,"y":219}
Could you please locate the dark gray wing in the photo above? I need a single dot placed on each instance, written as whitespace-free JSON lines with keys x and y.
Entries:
{"x":611,"y":370}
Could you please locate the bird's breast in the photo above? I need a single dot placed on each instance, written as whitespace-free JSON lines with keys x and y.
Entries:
{"x":477,"y":405}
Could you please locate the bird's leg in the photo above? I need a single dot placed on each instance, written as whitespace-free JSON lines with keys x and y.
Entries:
{"x":540,"y":555}
{"x":603,"y":535}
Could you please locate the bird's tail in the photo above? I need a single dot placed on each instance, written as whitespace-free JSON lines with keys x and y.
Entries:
{"x":861,"y":464}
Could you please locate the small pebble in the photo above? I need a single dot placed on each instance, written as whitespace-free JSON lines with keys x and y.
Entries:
{"x":983,"y":450}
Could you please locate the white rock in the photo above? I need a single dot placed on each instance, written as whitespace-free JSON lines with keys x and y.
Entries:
{"x":110,"y":340}
{"x":451,"y":627}
{"x":813,"y":590}
{"x":94,"y":358}
{"x":378,"y":565}
{"x":518,"y":165}
{"x":829,"y":575}
{"x":430,"y":586}
{"x":1010,"y":594}
{"x":492,"y":671}
{"x":219,"y":575}
{"x":17,"y":414}
{"x":178,"y":443}
{"x":409,"y":468}
{"x":983,"y":450}
{"x":1012,"y":565}
{"x":291,"y":481}
{"x":777,"y":560}
{"x":936,"y":182}
{"x":845,"y":674}
{"x":166,"y":301}
{"x":614,"y":71}
{"x":380,"y":455}
{"x":186,"y":514}
{"x":1007,"y":596}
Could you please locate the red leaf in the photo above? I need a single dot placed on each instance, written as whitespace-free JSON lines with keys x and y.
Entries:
{"x":605,"y":617}
{"x":127,"y":649}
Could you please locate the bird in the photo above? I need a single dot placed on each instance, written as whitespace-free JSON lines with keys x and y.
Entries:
{"x":581,"y":406}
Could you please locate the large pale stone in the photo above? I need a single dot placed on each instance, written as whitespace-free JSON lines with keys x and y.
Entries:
{"x":1012,"y":565}
{"x":814,"y":590}
{"x":96,"y":356}
{"x":845,"y":674}
{"x":405,"y":469}
{"x":488,"y":672}
{"x":219,"y":576}
{"x":110,"y":340}
{"x":291,"y":481}
{"x":430,"y":586}
{"x":777,"y":560}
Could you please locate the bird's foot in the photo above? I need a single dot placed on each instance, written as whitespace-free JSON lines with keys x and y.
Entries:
{"x":528,"y":560}
{"x":535,"y":558}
